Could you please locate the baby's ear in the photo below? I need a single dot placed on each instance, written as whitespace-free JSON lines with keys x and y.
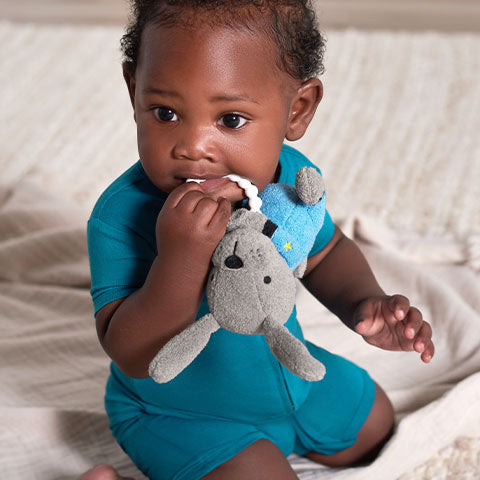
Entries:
{"x":303,"y":108}
{"x":129,"y":77}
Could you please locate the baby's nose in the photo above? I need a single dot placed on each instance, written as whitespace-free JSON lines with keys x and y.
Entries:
{"x":234,"y":262}
{"x":194,"y":143}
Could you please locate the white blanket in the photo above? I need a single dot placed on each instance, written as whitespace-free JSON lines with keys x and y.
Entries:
{"x":397,"y":139}
{"x":53,"y":370}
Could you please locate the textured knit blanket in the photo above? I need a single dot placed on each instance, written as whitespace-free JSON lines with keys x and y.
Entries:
{"x":397,"y":140}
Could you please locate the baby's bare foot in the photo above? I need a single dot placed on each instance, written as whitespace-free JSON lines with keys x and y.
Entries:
{"x":102,"y":472}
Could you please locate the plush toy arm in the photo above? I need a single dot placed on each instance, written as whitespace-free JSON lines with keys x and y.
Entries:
{"x":291,"y":352}
{"x":181,"y":350}
{"x":300,"y":270}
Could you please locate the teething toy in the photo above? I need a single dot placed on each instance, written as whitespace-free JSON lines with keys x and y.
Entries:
{"x":251,"y":191}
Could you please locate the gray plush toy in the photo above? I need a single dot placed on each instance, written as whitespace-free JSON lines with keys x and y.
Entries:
{"x":251,"y":287}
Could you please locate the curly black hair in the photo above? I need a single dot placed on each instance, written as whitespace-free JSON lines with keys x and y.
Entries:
{"x":291,"y":24}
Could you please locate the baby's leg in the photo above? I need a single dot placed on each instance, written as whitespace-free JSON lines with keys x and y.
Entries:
{"x":375,"y":432}
{"x":102,"y":472}
{"x":346,"y":419}
{"x":260,"y":461}
{"x":185,"y":446}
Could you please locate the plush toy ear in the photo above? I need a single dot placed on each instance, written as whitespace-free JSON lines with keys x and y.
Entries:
{"x":243,"y":218}
{"x":309,"y":185}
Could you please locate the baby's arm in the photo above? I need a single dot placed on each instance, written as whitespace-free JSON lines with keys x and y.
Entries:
{"x":188,"y":229}
{"x":340,"y":278}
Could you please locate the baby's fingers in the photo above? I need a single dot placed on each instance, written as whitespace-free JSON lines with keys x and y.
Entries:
{"x":428,"y":353}
{"x":413,"y":323}
{"x":419,"y":333}
{"x":184,"y":190}
{"x":222,"y":214}
{"x":399,"y":305}
{"x":423,"y":338}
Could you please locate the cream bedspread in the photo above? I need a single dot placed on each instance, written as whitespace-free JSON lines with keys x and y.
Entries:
{"x":404,"y":153}
{"x":53,"y":371}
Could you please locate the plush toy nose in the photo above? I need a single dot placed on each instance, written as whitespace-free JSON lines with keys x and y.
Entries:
{"x":233,"y":261}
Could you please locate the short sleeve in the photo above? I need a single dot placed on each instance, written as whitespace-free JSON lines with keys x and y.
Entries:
{"x":291,"y":160}
{"x":324,"y":235}
{"x":119,"y":261}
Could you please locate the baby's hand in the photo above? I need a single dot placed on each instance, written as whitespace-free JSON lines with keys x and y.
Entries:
{"x":191,"y":222}
{"x":389,"y":322}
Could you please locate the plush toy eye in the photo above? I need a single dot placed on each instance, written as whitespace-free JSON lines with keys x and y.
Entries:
{"x":267,"y":279}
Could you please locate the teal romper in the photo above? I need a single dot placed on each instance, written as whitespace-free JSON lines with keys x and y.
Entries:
{"x":235,"y":392}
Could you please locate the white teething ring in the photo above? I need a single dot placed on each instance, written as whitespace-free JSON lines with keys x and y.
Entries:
{"x":251,"y":191}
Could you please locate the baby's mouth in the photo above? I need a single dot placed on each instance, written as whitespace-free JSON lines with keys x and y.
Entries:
{"x":211,"y":185}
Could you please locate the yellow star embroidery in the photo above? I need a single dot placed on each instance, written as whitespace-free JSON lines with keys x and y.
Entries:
{"x":287,"y":246}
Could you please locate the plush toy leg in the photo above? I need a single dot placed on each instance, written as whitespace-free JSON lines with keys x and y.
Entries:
{"x":181,"y":350}
{"x":291,"y":352}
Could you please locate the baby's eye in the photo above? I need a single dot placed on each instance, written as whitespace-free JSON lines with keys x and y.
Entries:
{"x":233,"y":120}
{"x":165,"y":114}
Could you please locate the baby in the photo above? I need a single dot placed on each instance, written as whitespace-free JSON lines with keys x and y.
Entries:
{"x":216,"y":87}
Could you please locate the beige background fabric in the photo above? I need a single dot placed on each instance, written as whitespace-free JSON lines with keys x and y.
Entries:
{"x":397,"y":139}
{"x":444,"y":15}
{"x":53,"y":371}
{"x":396,"y":135}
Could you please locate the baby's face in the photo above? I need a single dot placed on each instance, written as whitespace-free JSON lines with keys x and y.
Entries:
{"x":209,"y":103}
